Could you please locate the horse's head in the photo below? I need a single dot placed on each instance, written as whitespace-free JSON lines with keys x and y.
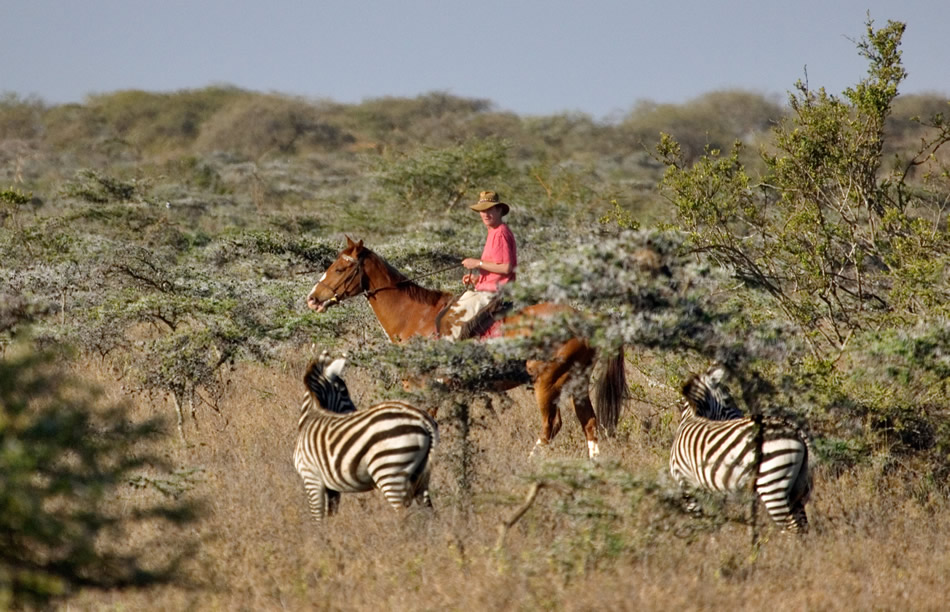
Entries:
{"x":343,"y":279}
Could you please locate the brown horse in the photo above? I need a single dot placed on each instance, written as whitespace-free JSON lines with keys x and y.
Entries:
{"x":405,"y":309}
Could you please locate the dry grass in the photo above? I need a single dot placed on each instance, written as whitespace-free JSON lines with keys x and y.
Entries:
{"x":601,"y":537}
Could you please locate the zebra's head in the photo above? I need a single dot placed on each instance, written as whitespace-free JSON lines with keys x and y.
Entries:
{"x":708,"y":396}
{"x":323,"y":380}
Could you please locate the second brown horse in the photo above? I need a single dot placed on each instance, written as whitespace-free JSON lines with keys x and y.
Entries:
{"x":405,"y":309}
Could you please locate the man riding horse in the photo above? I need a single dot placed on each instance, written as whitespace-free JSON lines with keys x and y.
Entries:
{"x":473,"y":314}
{"x":405,"y":309}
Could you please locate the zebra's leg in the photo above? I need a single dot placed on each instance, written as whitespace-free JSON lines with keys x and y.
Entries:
{"x":686,"y":494}
{"x":778,"y":508}
{"x":783,"y":500}
{"x":797,"y":521}
{"x":690,"y":502}
{"x":397,"y":488}
{"x":316,"y":496}
{"x":401,"y":491}
{"x":421,"y":488}
{"x":799,"y":495}
{"x":333,"y":502}
{"x":789,"y":514}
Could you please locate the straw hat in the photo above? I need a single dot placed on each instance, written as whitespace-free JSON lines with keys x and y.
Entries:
{"x":488,"y":199}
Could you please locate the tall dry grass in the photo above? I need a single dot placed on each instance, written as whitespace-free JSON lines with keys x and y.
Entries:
{"x":599,"y":537}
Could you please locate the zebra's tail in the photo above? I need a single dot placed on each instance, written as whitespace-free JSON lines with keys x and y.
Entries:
{"x":420,"y":478}
{"x":611,"y":392}
{"x":798,"y":496}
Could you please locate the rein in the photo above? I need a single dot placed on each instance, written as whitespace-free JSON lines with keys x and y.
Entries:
{"x":368,"y":293}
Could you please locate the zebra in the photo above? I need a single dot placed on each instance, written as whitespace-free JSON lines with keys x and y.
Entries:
{"x":344,"y":450}
{"x":715,"y":449}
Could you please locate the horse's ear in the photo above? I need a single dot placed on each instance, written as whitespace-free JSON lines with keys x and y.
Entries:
{"x":349,"y":241}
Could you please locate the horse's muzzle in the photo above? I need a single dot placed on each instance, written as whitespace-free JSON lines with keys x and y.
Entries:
{"x":318,"y":306}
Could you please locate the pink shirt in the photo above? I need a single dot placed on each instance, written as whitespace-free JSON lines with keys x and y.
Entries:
{"x":499,"y":248}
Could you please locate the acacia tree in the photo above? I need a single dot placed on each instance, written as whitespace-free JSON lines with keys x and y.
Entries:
{"x":840,"y":242}
{"x":851,"y":250}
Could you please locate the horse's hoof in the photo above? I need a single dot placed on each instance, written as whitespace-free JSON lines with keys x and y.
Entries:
{"x":593,"y":451}
{"x":539,"y":449}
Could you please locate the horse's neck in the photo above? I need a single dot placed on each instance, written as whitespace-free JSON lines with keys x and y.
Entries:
{"x":403,"y":308}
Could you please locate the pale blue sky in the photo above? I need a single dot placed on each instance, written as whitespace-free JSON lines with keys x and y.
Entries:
{"x":532,"y":57}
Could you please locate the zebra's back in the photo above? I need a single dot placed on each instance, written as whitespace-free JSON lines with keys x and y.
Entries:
{"x":720,"y":455}
{"x":355,"y":451}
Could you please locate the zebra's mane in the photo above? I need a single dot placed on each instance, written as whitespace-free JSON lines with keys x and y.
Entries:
{"x":708,"y":396}
{"x":326,"y":385}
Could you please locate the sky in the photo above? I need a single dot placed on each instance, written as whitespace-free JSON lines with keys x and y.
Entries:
{"x":531,"y":57}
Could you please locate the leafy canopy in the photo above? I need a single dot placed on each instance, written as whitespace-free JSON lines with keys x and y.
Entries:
{"x":840,"y":243}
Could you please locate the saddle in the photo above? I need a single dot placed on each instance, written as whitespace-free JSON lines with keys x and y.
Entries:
{"x":477,"y":325}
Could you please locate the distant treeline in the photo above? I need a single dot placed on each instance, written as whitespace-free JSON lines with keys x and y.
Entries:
{"x":139,"y":125}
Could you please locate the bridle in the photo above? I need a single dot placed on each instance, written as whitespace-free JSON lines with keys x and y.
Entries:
{"x":358,"y":273}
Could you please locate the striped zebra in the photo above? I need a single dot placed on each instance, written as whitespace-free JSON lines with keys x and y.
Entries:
{"x":344,"y":450}
{"x":715,"y":449}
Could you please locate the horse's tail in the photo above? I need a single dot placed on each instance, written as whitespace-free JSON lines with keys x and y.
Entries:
{"x":611,"y":392}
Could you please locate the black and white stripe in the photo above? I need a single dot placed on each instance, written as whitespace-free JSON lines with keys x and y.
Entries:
{"x":710,"y":397}
{"x":344,"y":450}
{"x":716,"y":449}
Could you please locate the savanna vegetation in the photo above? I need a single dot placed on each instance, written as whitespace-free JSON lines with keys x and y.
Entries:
{"x":156,"y":250}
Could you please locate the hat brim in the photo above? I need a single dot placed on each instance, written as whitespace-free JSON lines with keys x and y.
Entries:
{"x":483,"y":206}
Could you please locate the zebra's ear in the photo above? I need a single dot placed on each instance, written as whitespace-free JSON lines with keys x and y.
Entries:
{"x":335,"y":369}
{"x":715,"y":374}
{"x":689,"y":389}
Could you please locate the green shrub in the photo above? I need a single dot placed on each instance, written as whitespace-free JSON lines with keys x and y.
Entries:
{"x":838,"y":246}
{"x":20,"y":118}
{"x":438,"y":179}
{"x":259,"y":125}
{"x":712,"y":121}
{"x":63,"y":457}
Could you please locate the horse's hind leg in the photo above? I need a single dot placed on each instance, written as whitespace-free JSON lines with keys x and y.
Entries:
{"x":550,"y":377}
{"x":579,"y":355}
{"x":585,"y":414}
{"x":546,"y":392}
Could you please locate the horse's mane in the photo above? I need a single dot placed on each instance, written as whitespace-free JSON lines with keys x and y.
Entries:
{"x":415,"y":291}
